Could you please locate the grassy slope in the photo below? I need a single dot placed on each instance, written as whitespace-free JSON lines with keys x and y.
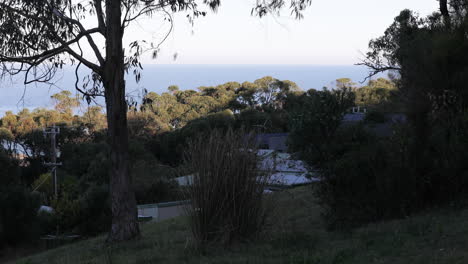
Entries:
{"x":295,"y":235}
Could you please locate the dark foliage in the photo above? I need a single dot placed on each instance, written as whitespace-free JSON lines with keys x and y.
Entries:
{"x":374,"y":117}
{"x":94,"y":211}
{"x":314,"y":121}
{"x":18,"y":208}
{"x":18,"y":216}
{"x":423,"y":163}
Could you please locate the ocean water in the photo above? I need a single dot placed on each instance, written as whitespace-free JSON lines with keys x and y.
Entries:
{"x":14,"y":95}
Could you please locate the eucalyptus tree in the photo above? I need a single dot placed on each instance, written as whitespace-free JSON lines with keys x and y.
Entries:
{"x":430,"y":57}
{"x":64,"y":102}
{"x":39,"y":37}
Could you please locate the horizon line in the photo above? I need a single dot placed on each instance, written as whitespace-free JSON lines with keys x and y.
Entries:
{"x":244,"y":64}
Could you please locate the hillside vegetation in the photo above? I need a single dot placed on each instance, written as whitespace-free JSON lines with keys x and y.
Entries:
{"x":295,"y":234}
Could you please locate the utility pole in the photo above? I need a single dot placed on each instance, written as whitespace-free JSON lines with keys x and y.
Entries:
{"x":53,"y":131}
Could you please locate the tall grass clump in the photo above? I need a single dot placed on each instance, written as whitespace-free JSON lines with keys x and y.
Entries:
{"x":227,"y":190}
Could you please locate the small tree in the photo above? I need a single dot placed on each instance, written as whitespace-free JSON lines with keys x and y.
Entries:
{"x":173,"y":88}
{"x":64,"y":103}
{"x":315,"y":119}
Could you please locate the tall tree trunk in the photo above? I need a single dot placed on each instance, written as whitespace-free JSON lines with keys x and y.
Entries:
{"x":443,"y":5}
{"x":124,"y":210}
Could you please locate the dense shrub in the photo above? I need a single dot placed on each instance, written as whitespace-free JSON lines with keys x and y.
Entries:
{"x":446,"y":174}
{"x":314,"y":120}
{"x":424,"y":164}
{"x":374,"y":116}
{"x":94,"y":211}
{"x":66,"y":211}
{"x":364,"y":183}
{"x":153,"y":182}
{"x":18,"y":207}
{"x":86,"y":215}
{"x":18,"y":215}
{"x":369,"y":179}
{"x":226,"y":194}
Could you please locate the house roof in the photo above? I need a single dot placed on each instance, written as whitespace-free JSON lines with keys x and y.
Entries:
{"x":291,"y":178}
{"x":271,"y":160}
{"x":275,"y":141}
{"x":354,"y":117}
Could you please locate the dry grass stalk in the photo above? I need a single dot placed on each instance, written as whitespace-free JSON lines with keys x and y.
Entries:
{"x":227,"y":188}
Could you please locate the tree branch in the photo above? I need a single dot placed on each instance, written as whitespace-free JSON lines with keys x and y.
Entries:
{"x":100,"y":16}
{"x":148,"y":9}
{"x":44,"y":78}
{"x":445,"y":12}
{"x":376,"y":68}
{"x":82,"y":29}
{"x":65,"y":47}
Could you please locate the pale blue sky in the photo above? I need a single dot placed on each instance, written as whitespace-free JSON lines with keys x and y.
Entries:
{"x":332,"y":32}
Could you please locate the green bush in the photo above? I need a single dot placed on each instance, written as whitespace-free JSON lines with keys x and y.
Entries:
{"x":18,"y":216}
{"x":374,"y":116}
{"x":67,"y":211}
{"x":18,"y":207}
{"x":364,"y":185}
{"x":369,"y":179}
{"x":94,"y":211}
{"x":314,"y":120}
{"x":153,"y":182}
{"x":86,"y":213}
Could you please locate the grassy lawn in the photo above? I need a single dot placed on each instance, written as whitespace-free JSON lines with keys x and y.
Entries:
{"x":294,"y":234}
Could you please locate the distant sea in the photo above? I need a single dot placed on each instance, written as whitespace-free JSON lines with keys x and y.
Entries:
{"x":15,"y":96}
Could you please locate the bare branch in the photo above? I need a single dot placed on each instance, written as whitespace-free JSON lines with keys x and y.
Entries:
{"x":147,"y":10}
{"x":88,"y":96}
{"x":375,"y":69}
{"x":88,"y":36}
{"x":45,"y":77}
{"x":65,"y":47}
{"x":100,"y":16}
